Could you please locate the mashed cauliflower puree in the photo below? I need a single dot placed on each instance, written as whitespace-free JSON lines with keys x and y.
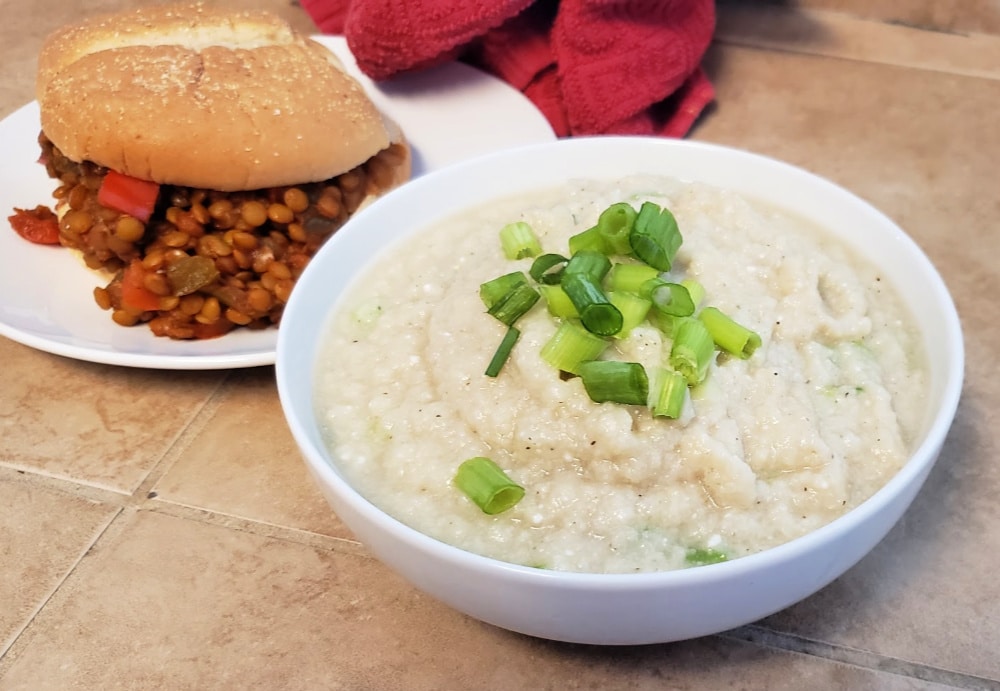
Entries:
{"x":768,"y":448}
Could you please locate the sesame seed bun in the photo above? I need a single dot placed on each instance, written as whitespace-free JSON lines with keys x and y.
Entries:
{"x":203,"y":97}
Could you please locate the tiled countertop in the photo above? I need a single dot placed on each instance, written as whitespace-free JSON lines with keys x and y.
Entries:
{"x":158,"y":530}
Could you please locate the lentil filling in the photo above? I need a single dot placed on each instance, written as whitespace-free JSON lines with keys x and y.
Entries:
{"x":206,"y":261}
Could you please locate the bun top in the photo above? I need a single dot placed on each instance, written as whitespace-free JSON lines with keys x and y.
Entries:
{"x":202,"y":97}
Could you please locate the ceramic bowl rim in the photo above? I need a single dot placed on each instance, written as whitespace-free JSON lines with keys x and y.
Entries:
{"x":914,"y":470}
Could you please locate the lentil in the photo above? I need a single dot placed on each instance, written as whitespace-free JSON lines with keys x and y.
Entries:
{"x":210,"y":310}
{"x":220,"y":209}
{"x":279,"y":213}
{"x":124,"y":318}
{"x":192,"y":304}
{"x":254,"y":214}
{"x":156,"y":283}
{"x":102,"y":298}
{"x":129,"y":229}
{"x":77,"y":221}
{"x":295,"y":199}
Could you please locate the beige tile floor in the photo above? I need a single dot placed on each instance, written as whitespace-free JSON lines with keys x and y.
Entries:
{"x":157,"y":530}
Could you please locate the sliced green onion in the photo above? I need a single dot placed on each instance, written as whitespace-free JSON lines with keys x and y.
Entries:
{"x":692,"y":350}
{"x":519,"y":241}
{"x":570,"y":346}
{"x":367,"y":313}
{"x":542,"y":268}
{"x":630,"y":277}
{"x":614,"y":381}
{"x":670,"y":298}
{"x":703,"y":556}
{"x":593,"y":264}
{"x":487,"y":485}
{"x":615,"y":224}
{"x":732,"y":337}
{"x":494,"y":291}
{"x":514,"y":304}
{"x":695,"y":290}
{"x":666,"y":324}
{"x":502,"y":352}
{"x":655,"y":237}
{"x":633,"y":308}
{"x":558,"y":302}
{"x":595,"y":299}
{"x":590,"y":239}
{"x":597,"y":313}
{"x":667,"y":392}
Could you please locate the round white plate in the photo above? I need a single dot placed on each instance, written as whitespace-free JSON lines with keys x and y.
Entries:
{"x":448,"y":113}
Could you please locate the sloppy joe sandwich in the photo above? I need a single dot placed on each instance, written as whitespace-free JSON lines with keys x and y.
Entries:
{"x":203,"y":156}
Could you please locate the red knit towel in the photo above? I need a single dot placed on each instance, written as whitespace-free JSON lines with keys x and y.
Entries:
{"x":591,"y":66}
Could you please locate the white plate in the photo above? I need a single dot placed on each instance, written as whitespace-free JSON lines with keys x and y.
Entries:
{"x":448,"y":113}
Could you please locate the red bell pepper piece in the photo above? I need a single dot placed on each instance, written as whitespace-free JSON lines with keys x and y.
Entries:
{"x":38,"y":225}
{"x":134,"y":293}
{"x":213,"y":330}
{"x":128,"y":195}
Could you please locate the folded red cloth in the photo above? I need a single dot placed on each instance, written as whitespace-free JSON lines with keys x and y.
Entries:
{"x":591,"y":66}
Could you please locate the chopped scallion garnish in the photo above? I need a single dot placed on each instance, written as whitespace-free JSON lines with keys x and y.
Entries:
{"x":590,"y":239}
{"x":558,"y":302}
{"x":487,"y":485}
{"x":630,"y":277}
{"x":664,"y":323}
{"x":596,"y":298}
{"x":692,"y":350}
{"x":503,"y":352}
{"x":597,"y":313}
{"x":702,"y":556}
{"x":518,"y":241}
{"x":547,"y":268}
{"x":493,"y":291}
{"x":633,"y":308}
{"x":615,"y":224}
{"x":593,"y":264}
{"x":667,"y":392}
{"x":615,"y":381}
{"x":695,"y":290}
{"x":514,"y":304}
{"x":570,"y":346}
{"x":670,"y":298}
{"x":732,"y":337}
{"x":655,"y":237}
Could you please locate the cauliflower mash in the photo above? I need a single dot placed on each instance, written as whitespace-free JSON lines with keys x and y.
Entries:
{"x":768,"y":449}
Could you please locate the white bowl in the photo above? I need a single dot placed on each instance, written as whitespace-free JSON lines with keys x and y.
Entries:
{"x":620,"y":608}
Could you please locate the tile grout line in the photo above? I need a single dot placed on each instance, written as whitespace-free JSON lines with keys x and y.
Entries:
{"x":56,"y":483}
{"x":123,"y":504}
{"x":144,"y":498}
{"x":124,"y":507}
{"x":141,"y":500}
{"x":44,"y":600}
{"x":220,"y":519}
{"x":105,"y":495}
{"x":769,"y":638}
{"x":195,"y":424}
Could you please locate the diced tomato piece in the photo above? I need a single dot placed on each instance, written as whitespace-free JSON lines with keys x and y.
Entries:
{"x":128,"y":195}
{"x":38,"y":225}
{"x":135,"y":295}
{"x":214,"y":330}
